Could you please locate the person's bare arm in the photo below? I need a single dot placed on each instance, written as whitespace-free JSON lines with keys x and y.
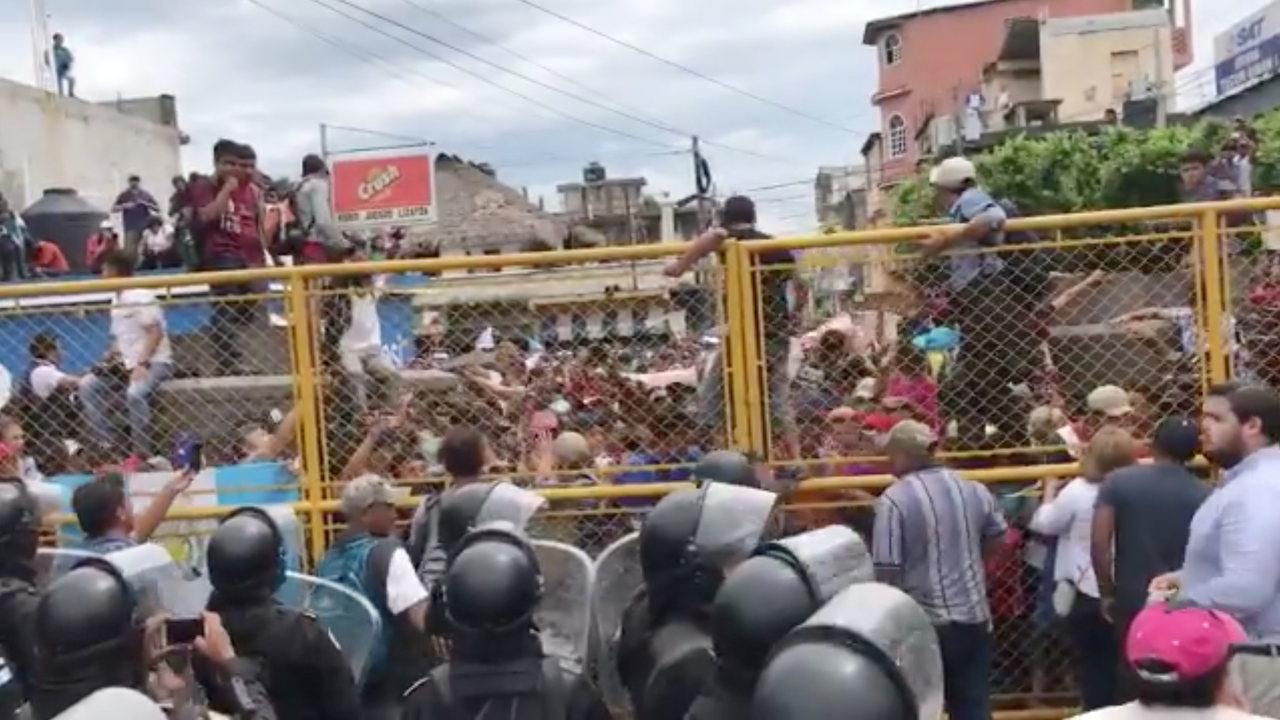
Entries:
{"x":1073,"y":293}
{"x":145,"y":525}
{"x":702,"y":246}
{"x":220,"y":203}
{"x":1100,"y":551}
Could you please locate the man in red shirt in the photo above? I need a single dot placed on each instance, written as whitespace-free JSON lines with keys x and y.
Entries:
{"x":227,"y":223}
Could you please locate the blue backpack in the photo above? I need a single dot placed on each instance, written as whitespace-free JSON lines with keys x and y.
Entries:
{"x":361,"y":565}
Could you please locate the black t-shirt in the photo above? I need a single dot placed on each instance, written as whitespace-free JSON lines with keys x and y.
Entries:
{"x":773,"y":273}
{"x":1153,"y":507}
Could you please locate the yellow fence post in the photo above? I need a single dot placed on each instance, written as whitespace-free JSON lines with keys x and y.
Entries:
{"x":297,"y":304}
{"x":733,"y":361}
{"x":746,"y":335}
{"x":1214,"y":295}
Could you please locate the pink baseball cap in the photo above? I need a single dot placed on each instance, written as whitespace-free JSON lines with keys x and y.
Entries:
{"x":1192,"y":641}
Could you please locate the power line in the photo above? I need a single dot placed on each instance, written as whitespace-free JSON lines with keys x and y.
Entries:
{"x":585,"y":100}
{"x":399,"y":72}
{"x":779,"y":186}
{"x":686,"y":69}
{"x":525,"y":58}
{"x":472,"y":73}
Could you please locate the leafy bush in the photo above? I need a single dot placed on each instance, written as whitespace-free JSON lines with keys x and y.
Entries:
{"x":1074,"y":172}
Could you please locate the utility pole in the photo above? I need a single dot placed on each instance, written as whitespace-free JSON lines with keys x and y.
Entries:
{"x":1163,"y":89}
{"x":40,"y":50}
{"x":704,"y":213}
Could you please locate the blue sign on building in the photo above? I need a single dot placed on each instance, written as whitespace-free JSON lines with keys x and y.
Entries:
{"x":1248,"y":50}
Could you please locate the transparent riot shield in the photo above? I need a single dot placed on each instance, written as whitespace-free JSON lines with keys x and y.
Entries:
{"x":352,"y":621}
{"x":114,"y":704}
{"x":159,"y":582}
{"x":53,"y":563}
{"x":829,"y":559}
{"x":733,"y":520}
{"x":884,"y":625}
{"x":617,"y":580}
{"x":564,"y":616}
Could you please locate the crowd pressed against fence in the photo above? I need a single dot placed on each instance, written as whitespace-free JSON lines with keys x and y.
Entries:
{"x":1001,"y":361}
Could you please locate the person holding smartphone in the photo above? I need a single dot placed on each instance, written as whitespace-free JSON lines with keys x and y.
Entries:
{"x":88,"y":638}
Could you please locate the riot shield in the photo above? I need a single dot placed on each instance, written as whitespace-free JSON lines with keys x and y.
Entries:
{"x":880,"y":624}
{"x":617,"y":580}
{"x":53,"y":563}
{"x":159,"y":583}
{"x":114,"y":704}
{"x":733,"y":520}
{"x":829,"y":559}
{"x":352,"y":621}
{"x":564,"y":615}
{"x":286,"y":519}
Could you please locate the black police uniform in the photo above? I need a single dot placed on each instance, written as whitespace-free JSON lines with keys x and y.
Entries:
{"x":19,"y":539}
{"x":88,"y":637}
{"x":664,"y":651}
{"x":498,"y":668}
{"x":306,"y":675}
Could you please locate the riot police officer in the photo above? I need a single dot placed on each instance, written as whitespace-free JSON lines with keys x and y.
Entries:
{"x":460,"y":510}
{"x":307,"y":676}
{"x":869,"y":654}
{"x":497,"y":666}
{"x":688,"y":542}
{"x":89,"y":636}
{"x":19,"y":539}
{"x":766,"y":597}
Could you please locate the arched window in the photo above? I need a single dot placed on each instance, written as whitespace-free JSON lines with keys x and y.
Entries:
{"x":897,"y":136}
{"x":891,"y":47}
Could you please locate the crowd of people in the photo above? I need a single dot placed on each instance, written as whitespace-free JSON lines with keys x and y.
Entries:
{"x":1005,"y":575}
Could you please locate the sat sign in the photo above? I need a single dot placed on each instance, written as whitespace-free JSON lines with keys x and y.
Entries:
{"x":1248,"y":50}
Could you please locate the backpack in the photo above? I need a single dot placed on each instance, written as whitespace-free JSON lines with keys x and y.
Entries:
{"x":1025,"y":270}
{"x":553,"y":693}
{"x":361,"y":566}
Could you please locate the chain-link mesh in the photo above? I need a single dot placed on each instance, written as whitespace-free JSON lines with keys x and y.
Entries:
{"x":103,"y":379}
{"x":556,"y":367}
{"x":995,"y":350}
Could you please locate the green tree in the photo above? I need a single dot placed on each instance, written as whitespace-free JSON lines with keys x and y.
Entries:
{"x":1073,"y":171}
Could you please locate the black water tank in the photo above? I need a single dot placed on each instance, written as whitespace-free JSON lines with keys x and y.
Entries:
{"x":67,"y":219}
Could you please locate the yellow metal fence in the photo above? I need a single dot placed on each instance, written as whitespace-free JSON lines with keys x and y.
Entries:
{"x":559,"y":357}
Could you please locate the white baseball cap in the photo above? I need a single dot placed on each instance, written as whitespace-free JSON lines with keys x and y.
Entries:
{"x":952,"y":172}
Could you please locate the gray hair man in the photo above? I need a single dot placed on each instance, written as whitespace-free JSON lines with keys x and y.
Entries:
{"x":933,"y":529}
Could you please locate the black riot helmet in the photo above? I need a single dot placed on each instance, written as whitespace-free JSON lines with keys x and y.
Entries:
{"x":785,"y":583}
{"x":871,"y":649}
{"x":466,"y":507}
{"x":825,"y":681}
{"x":725,"y":466}
{"x":493,"y":583}
{"x":692,"y":537}
{"x":86,"y":614}
{"x":19,"y":522}
{"x":246,"y":555}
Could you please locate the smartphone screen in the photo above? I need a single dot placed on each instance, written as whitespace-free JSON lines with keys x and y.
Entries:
{"x":183,"y":631}
{"x":188,"y":454}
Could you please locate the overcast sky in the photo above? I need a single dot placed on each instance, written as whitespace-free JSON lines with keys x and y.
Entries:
{"x":538,"y":97}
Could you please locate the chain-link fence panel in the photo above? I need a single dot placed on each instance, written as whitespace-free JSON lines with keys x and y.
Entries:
{"x":558,"y":366}
{"x":996,"y":349}
{"x":128,"y":378}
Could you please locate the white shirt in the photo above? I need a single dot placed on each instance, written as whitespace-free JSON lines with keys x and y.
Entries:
{"x":157,"y":240}
{"x":45,"y":378}
{"x":133,"y":311}
{"x":365,"y":332}
{"x":1136,"y":711}
{"x":404,"y":589}
{"x":1070,"y":519}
